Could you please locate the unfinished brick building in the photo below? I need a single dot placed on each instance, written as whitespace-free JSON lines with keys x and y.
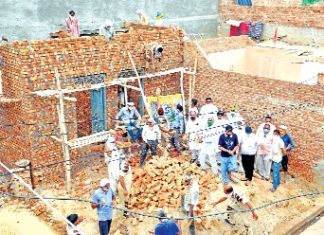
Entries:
{"x":29,"y":121}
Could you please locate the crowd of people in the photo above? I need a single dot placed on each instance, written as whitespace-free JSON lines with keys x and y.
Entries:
{"x":222,"y":138}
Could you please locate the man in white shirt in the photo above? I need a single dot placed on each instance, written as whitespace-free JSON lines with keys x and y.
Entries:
{"x":209,"y":145}
{"x":237,"y":201}
{"x":233,"y":116}
{"x":264,"y":152}
{"x":278,"y":151}
{"x":208,"y":109}
{"x":113,"y":158}
{"x":75,"y":219}
{"x":248,"y":149}
{"x":267,"y":120}
{"x":193,"y":136}
{"x":151,"y":135}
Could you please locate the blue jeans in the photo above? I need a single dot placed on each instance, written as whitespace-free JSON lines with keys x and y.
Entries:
{"x":152,"y":144}
{"x":175,"y":140}
{"x":133,"y":134}
{"x":228,"y":164}
{"x":104,"y":227}
{"x":276,"y":174}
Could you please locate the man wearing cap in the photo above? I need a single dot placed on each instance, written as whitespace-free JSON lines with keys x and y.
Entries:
{"x":166,"y":226}
{"x":248,"y":149}
{"x":289,"y":146}
{"x":236,"y":201}
{"x":208,"y":109}
{"x":128,"y":115}
{"x":233,"y":115}
{"x":113,"y":158}
{"x":151,"y":135}
{"x":75,"y":219}
{"x":264,"y":152}
{"x":103,"y":200}
{"x":209,"y":145}
{"x":267,"y":120}
{"x":228,"y":144}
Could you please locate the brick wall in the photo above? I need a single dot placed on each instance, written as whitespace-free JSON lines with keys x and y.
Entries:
{"x":259,"y":96}
{"x":30,"y":66}
{"x":289,"y":13}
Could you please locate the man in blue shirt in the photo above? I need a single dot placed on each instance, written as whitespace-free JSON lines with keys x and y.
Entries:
{"x":103,"y":199}
{"x":166,"y":226}
{"x":228,"y":145}
{"x":289,"y":146}
{"x":128,"y":115}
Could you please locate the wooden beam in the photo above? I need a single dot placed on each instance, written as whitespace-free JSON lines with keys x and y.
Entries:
{"x":63,"y":132}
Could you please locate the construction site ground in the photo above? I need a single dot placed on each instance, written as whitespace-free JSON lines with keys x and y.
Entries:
{"x":17,"y":215}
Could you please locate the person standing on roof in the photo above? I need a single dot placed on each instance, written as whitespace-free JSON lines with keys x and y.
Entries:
{"x":159,"y":19}
{"x":72,"y":25}
{"x":142,"y":17}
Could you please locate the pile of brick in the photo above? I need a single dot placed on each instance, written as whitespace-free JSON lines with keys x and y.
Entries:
{"x":159,"y":184}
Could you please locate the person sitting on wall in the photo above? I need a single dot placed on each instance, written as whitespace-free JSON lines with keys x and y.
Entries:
{"x":72,"y":25}
{"x":107,"y":29}
{"x":131,"y":118}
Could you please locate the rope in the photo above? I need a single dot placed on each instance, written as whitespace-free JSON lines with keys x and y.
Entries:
{"x":176,"y":218}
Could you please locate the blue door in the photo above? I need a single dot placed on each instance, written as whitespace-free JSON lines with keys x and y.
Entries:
{"x":98,"y":110}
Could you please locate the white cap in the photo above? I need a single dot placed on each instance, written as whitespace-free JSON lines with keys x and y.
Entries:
{"x":187,"y":176}
{"x":104,"y":182}
{"x":283,"y":127}
{"x":139,"y":12}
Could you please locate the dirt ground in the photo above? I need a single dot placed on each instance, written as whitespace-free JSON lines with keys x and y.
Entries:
{"x":18,"y":222}
{"x":269,"y":218}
